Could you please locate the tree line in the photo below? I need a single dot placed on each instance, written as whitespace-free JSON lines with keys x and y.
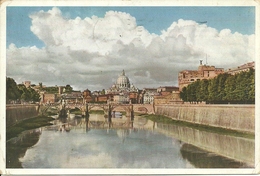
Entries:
{"x":223,"y":89}
{"x":55,"y":89}
{"x":19,"y":92}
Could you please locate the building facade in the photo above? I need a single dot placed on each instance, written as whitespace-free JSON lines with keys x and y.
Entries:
{"x":167,"y":95}
{"x":187,"y":77}
{"x":241,"y":68}
{"x":27,"y":84}
{"x":103,"y":98}
{"x":48,"y":98}
{"x":148,"y":95}
{"x":148,"y":98}
{"x":172,"y":98}
{"x":74,"y":97}
{"x":87,"y":96}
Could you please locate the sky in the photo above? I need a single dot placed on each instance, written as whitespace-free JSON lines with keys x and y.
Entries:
{"x":88,"y":47}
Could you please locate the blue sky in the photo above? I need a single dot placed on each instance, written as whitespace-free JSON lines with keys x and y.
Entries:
{"x":154,"y":19}
{"x":152,"y":44}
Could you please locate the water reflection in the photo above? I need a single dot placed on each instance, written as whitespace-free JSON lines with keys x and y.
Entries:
{"x":204,"y":159}
{"x":101,"y":149}
{"x":237,"y":148}
{"x":17,"y":147}
{"x":91,"y":143}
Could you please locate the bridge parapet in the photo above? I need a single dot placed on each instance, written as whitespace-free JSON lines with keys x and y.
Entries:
{"x":107,"y":108}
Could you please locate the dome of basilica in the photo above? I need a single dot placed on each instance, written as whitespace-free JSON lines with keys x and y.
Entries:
{"x":123,"y":81}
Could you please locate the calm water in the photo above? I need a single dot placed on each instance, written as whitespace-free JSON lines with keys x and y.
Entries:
{"x":144,"y":145}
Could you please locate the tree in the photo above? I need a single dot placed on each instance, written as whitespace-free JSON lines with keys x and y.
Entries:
{"x":224,"y":88}
{"x":251,"y":94}
{"x":12,"y":91}
{"x":68,"y":88}
{"x":221,"y":81}
{"x":34,"y":96}
{"x":212,"y":90}
{"x":183,"y":94}
{"x":202,"y":91}
{"x":191,"y":93}
{"x":28,"y":94}
{"x":51,"y":89}
{"x":40,"y":85}
{"x":230,"y":86}
{"x":25,"y":94}
{"x":242,"y":87}
{"x":196,"y":91}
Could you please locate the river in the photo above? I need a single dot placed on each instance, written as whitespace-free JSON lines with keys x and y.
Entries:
{"x":73,"y":143}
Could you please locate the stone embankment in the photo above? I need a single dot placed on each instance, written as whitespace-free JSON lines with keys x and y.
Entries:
{"x":233,"y":117}
{"x":16,"y":113}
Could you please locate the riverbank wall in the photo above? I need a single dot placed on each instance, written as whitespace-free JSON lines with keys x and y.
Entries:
{"x":237,"y":148}
{"x":232,"y":117}
{"x":17,"y":113}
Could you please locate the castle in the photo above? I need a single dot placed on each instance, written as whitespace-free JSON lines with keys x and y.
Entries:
{"x":186,"y":77}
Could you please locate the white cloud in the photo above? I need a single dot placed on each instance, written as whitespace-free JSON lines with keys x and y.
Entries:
{"x":91,"y":52}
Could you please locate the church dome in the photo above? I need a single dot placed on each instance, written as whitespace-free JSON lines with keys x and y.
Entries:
{"x":123,"y":81}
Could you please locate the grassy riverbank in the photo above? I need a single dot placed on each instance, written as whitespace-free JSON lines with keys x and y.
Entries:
{"x":96,"y":112}
{"x":167,"y":120}
{"x":27,"y":124}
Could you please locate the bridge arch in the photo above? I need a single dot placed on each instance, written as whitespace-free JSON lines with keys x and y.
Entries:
{"x":98,"y":106}
{"x":141,"y":109}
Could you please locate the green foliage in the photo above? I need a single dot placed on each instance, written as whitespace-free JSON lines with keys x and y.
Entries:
{"x":76,"y":111}
{"x":68,"y":88}
{"x":212,"y":89}
{"x":183,"y":94}
{"x":51,"y":89}
{"x":51,"y":113}
{"x":12,"y":91}
{"x":159,"y":118}
{"x":40,"y":85}
{"x":34,"y":96}
{"x":103,"y":92}
{"x":96,"y":112}
{"x":229,"y":88}
{"x":224,"y":88}
{"x":20,"y":92}
{"x":251,"y":93}
{"x":28,"y":94}
{"x":202,"y":91}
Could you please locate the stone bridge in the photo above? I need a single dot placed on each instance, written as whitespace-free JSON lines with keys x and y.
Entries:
{"x":108,"y":108}
{"x":140,"y":108}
